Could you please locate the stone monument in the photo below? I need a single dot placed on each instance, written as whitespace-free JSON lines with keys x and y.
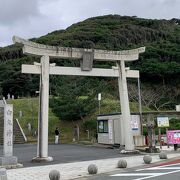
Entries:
{"x":8,"y":96}
{"x":8,"y":160}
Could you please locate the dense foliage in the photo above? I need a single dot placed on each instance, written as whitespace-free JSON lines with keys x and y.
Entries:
{"x":159,"y":66}
{"x":77,"y":99}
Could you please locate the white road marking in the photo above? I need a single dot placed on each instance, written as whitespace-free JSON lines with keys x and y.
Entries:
{"x":159,"y":167}
{"x":156,"y":175}
{"x":152,"y":175}
{"x":169,"y":168}
{"x":138,"y":174}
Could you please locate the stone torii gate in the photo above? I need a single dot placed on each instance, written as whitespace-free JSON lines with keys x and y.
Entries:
{"x":87,"y":56}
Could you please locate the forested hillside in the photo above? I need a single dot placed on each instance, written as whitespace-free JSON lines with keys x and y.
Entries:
{"x":159,"y":66}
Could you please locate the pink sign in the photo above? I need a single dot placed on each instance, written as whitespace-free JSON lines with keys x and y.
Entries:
{"x":173,"y":137}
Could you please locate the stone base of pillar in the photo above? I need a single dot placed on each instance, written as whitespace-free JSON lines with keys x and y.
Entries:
{"x":129,"y":152}
{"x":42,"y":159}
{"x":10,"y":162}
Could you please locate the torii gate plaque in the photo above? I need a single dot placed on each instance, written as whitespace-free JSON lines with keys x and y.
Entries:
{"x":88,"y":56}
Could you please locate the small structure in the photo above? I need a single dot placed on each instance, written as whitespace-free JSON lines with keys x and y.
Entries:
{"x":147,"y":159}
{"x":122,"y":163}
{"x":92,"y":169}
{"x":163,"y":155}
{"x":54,"y":175}
{"x":111,"y":130}
{"x":8,"y":160}
{"x":3,"y":174}
{"x":8,"y":96}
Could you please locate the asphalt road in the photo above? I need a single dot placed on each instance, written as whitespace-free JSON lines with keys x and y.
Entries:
{"x":160,"y":172}
{"x":63,"y":153}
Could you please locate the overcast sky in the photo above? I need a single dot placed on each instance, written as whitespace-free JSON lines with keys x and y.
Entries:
{"x":34,"y":18}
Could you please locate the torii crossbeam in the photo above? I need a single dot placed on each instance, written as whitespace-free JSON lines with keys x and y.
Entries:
{"x":87,"y":56}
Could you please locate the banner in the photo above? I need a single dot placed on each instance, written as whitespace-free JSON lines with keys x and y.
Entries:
{"x":173,"y":137}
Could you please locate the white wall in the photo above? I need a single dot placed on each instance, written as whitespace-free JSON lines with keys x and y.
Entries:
{"x":116,"y":135}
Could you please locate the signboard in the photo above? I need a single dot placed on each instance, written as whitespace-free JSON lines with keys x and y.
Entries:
{"x":99,"y":96}
{"x":163,"y":121}
{"x":134,"y":123}
{"x":8,"y":130}
{"x":173,"y":137}
{"x":178,"y":108}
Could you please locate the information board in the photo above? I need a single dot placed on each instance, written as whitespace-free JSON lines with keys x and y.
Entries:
{"x":134,"y":122}
{"x":163,"y":121}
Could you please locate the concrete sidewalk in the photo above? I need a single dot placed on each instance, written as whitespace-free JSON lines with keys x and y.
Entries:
{"x":78,"y":169}
{"x":166,"y":148}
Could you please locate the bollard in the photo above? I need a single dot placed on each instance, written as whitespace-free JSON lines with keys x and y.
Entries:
{"x":3,"y":174}
{"x":92,"y":169}
{"x":163,"y":155}
{"x":122,"y":163}
{"x":147,"y":159}
{"x":54,"y":175}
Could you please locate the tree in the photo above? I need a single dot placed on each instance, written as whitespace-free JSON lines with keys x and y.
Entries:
{"x":153,"y":97}
{"x":75,"y":98}
{"x":73,"y":108}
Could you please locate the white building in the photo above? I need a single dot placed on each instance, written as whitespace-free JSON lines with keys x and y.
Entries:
{"x":111,"y":130}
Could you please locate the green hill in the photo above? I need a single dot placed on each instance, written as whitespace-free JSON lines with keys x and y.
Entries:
{"x":159,"y":66}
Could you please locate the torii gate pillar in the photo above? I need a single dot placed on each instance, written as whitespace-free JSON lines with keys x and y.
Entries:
{"x":42,"y":146}
{"x":125,"y":110}
{"x":42,"y":149}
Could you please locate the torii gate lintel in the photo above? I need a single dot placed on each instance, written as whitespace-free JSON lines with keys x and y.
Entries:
{"x":40,"y":50}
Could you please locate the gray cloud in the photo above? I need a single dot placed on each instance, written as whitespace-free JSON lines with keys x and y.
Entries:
{"x":33,"y":18}
{"x":15,"y":11}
